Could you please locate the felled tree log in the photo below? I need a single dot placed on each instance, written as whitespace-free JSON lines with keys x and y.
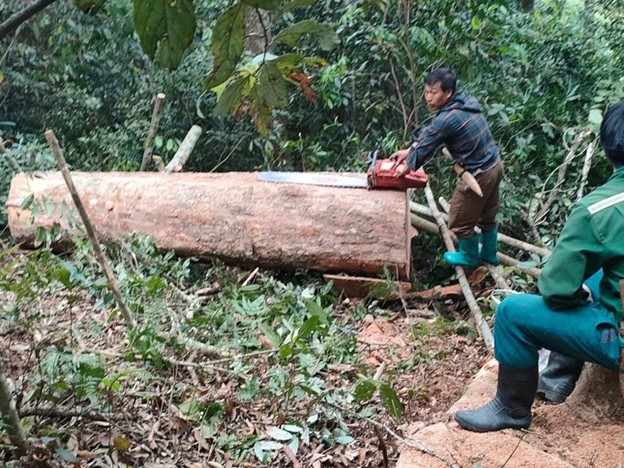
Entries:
{"x":231,"y":216}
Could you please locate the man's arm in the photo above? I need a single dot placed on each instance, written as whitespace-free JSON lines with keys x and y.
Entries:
{"x":575,"y":258}
{"x":429,"y":139}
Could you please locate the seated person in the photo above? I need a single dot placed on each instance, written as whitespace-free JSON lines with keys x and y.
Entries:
{"x":563,"y":318}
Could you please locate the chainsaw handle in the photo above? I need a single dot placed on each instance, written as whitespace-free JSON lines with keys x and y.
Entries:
{"x":415,"y":179}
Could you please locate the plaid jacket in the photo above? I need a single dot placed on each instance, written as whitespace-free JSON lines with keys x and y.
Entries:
{"x":461,"y":127}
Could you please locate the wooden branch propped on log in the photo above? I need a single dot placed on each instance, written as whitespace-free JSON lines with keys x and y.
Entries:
{"x":112,"y":281}
{"x":185,"y":149}
{"x":432,"y":228}
{"x":151,"y":136}
{"x":482,"y":326}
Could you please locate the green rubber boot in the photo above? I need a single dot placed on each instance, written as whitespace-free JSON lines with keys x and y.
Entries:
{"x":468,"y":254}
{"x":488,"y":247}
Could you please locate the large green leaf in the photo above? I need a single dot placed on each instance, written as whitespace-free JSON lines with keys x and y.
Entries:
{"x":165,"y":29}
{"x":390,"y":400}
{"x":228,"y":41}
{"x":272,"y":86}
{"x":322,"y":33}
{"x":233,"y":95}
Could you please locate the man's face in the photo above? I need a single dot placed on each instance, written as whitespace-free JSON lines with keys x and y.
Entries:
{"x":435,"y":97}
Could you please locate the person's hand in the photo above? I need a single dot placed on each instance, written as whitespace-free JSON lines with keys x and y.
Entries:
{"x":590,"y":297}
{"x":401,"y":170}
{"x":400,"y":156}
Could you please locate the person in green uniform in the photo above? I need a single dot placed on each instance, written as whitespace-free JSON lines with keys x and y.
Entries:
{"x":579,"y":309}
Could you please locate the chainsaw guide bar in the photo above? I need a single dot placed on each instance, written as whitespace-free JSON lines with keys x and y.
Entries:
{"x":309,"y":178}
{"x":381,"y":174}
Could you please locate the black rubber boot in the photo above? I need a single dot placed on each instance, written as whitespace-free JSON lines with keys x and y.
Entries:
{"x":559,"y":377}
{"x":510,"y":408}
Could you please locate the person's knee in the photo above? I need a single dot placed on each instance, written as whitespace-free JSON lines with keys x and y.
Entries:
{"x":515,"y":309}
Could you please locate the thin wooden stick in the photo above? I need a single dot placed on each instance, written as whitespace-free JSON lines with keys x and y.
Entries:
{"x":151,"y":136}
{"x":517,"y":243}
{"x":432,"y":228}
{"x":12,"y":423}
{"x":482,"y":325}
{"x":185,"y":149}
{"x":589,"y":154}
{"x":70,"y":413}
{"x":539,"y":217}
{"x":251,"y":276}
{"x":112,"y":281}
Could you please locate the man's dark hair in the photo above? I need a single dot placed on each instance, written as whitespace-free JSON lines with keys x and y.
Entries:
{"x":612,"y":134}
{"x":445,"y":76}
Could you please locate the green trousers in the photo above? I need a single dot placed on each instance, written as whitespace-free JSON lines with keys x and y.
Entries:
{"x":524,"y":324}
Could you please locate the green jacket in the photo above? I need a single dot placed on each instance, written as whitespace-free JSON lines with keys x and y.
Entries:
{"x":592,"y":238}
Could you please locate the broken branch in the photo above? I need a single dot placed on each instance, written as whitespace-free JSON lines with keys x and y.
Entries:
{"x":151,"y":136}
{"x":482,"y":325}
{"x":112,"y":281}
{"x":185,"y":149}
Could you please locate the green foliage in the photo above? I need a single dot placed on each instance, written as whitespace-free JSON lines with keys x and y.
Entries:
{"x":165,"y":28}
{"x":258,"y":87}
{"x":227,"y":44}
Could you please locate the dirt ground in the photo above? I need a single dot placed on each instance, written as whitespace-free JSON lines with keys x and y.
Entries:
{"x":431,"y":369}
{"x":428,"y":372}
{"x":578,"y":433}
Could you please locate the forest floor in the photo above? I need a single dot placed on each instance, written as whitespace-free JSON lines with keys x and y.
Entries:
{"x":138,"y":417}
{"x":431,"y":359}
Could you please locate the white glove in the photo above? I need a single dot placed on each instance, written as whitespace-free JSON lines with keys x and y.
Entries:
{"x":590,"y":298}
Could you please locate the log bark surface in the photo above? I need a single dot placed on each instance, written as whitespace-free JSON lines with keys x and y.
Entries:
{"x":231,"y":216}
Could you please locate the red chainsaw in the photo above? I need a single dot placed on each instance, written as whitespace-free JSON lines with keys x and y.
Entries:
{"x":381,"y":174}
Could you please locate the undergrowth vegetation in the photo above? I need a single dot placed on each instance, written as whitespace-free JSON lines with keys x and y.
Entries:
{"x":277,"y":350}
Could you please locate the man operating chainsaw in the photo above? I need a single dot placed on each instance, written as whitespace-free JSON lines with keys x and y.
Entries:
{"x":460,"y":126}
{"x":580,"y":306}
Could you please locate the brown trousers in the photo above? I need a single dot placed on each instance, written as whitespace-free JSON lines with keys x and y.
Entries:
{"x":469,"y":209}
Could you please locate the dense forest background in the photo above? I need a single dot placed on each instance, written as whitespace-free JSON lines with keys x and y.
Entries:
{"x":283,"y":348}
{"x":543,"y":76}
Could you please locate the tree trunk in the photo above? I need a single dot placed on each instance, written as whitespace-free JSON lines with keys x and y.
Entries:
{"x":231,"y":216}
{"x":597,"y":393}
{"x":258,"y":30}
